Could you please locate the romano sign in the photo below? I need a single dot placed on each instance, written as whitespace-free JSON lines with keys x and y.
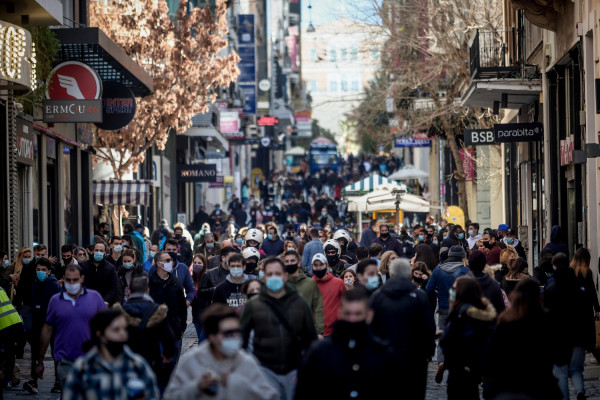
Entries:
{"x":197,"y":173}
{"x":522,"y":132}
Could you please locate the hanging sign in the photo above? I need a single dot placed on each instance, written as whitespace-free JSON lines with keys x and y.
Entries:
{"x":408,"y":142}
{"x":477,"y":137}
{"x":197,"y":173}
{"x":118,"y":106}
{"x":25,"y":150}
{"x":520,"y":132}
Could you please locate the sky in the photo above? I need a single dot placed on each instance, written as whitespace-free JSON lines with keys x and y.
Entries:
{"x":324,"y":11}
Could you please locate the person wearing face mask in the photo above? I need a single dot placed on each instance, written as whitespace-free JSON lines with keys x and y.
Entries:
{"x":219,"y":368}
{"x":102,"y":276}
{"x":136,"y":238}
{"x":180,"y":270}
{"x":109,"y":367}
{"x":492,"y":249}
{"x":278,"y":309}
{"x":6,"y":280}
{"x":511,"y":240}
{"x":350,"y":359}
{"x":129,"y":270}
{"x":216,"y":276}
{"x":24,"y":258}
{"x":333,"y":251}
{"x":68,"y":318}
{"x":473,"y":234}
{"x":314,"y":246}
{"x":273,"y":246}
{"x":150,"y":260}
{"x":198,"y":271}
{"x":229,"y":292}
{"x":251,"y":255}
{"x":332,"y":289}
{"x":420,"y":274}
{"x":456,"y":237}
{"x":402,"y":316}
{"x":67,"y":254}
{"x":116,"y":251}
{"x":387,"y":242}
{"x":165,"y":288}
{"x":489,"y":286}
{"x":367,"y":276}
{"x":250,"y":289}
{"x":217,"y":217}
{"x":307,"y":288}
{"x":44,"y":287}
{"x":183,"y":246}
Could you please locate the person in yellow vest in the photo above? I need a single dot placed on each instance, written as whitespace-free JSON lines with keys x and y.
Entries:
{"x":11,"y":327}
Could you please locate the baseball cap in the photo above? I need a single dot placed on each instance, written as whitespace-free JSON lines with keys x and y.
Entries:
{"x":503,"y":227}
{"x":319,"y":256}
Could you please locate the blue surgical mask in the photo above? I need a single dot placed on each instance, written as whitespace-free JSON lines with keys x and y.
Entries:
{"x":239,"y":240}
{"x":152,"y":254}
{"x":5,"y":264}
{"x":421,"y":238}
{"x":372,"y":283}
{"x":98,"y":256}
{"x":270,"y":237}
{"x":41,"y":275}
{"x":127,"y":265}
{"x":435,"y":242}
{"x":461,"y":236}
{"x":510,"y":240}
{"x":274,"y":283}
{"x":210,"y":245}
{"x":26,"y":260}
{"x":236,"y":272}
{"x":261,"y":274}
{"x":548,"y":274}
{"x":471,"y":232}
{"x":118,"y":248}
{"x":324,"y":214}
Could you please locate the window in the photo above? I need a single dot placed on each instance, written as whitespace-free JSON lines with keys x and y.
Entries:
{"x":355,"y":85}
{"x":374,"y":54}
{"x":343,"y":54}
{"x":333,"y":86}
{"x":354,"y":53}
{"x":313,"y":54}
{"x":332,"y":54}
{"x":344,"y":83}
{"x":312,"y":86}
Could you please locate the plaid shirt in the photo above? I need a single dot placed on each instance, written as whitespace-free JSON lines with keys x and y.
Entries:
{"x":95,"y":379}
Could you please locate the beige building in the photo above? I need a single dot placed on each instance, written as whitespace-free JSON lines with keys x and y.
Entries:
{"x":338,"y":61}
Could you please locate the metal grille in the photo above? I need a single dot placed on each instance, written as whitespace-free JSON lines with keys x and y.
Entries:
{"x":12,"y":174}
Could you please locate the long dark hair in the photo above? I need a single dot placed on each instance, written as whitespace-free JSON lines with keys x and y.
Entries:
{"x":198,"y":277}
{"x":424,"y":253}
{"x":468,"y":291}
{"x":581,"y":262}
{"x":525,"y":302}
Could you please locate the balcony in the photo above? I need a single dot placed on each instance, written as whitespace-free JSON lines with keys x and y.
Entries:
{"x":498,"y":73}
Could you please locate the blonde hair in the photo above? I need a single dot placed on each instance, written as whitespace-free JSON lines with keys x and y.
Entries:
{"x":508,"y":253}
{"x":384,"y":265}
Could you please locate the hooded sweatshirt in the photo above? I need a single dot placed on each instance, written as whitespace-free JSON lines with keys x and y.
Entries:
{"x":491,"y":290}
{"x":230,"y":293}
{"x":308,"y":289}
{"x":443,"y":278}
{"x":332,"y":289}
{"x":555,"y":245}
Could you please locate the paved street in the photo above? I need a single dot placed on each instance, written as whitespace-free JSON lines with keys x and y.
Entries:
{"x":434,"y":391}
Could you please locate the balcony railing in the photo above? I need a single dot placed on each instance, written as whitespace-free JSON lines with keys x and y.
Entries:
{"x":494,"y":55}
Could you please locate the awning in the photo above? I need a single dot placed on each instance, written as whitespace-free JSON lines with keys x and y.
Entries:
{"x":368,"y":184}
{"x":382,"y":198}
{"x":210,"y":133}
{"x":122,"y":192}
{"x":91,"y":46}
{"x":408,"y":172}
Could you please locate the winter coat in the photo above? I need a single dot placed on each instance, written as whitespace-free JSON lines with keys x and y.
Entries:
{"x":41,"y":292}
{"x":555,"y":245}
{"x":102,"y":277}
{"x":184,"y":251}
{"x":157,"y":332}
{"x":518,"y":247}
{"x":229,"y":292}
{"x":402,"y":316}
{"x":453,"y":240}
{"x":443,"y":278}
{"x":493,"y":256}
{"x":390,"y":244}
{"x":245,"y":378}
{"x":332,"y":289}
{"x":136,"y":271}
{"x":368,"y":236}
{"x":349,"y":361}
{"x":182,"y":273}
{"x":491,"y":290}
{"x":273,"y":247}
{"x":572,"y":321}
{"x":515,"y":367}
{"x":308,"y":289}
{"x":273,"y":345}
{"x":170,"y":292}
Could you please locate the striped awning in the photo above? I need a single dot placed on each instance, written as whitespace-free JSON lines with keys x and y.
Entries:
{"x":368,"y":184}
{"x":122,"y":192}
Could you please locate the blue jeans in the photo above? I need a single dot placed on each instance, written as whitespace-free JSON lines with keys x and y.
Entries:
{"x":199,"y":332}
{"x":441,"y":326}
{"x":576,"y":369}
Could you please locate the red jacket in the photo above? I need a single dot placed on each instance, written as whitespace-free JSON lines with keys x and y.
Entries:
{"x":332,"y":289}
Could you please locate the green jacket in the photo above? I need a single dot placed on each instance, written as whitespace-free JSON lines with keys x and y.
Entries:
{"x":274,"y":346}
{"x":308,"y":289}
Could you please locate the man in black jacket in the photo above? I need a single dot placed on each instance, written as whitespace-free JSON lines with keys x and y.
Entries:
{"x":101,"y":276}
{"x":387,"y":242}
{"x":350,"y":360}
{"x":150,"y":334}
{"x":166,"y":289}
{"x":489,"y":286}
{"x":217,"y":275}
{"x":402,"y":316}
{"x":229,"y":291}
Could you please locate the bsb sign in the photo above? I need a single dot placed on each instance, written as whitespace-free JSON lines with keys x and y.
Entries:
{"x":74,"y":92}
{"x":197,"y":173}
{"x":505,"y":133}
{"x":476,"y":137}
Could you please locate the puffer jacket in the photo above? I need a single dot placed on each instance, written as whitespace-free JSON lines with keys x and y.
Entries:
{"x":443,"y":278}
{"x":308,"y":289}
{"x":274,"y":346}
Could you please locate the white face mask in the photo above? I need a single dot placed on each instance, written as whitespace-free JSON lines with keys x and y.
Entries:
{"x":230,"y":346}
{"x":118,"y":248}
{"x":72,"y":288}
{"x":168,"y":266}
{"x":236,"y":272}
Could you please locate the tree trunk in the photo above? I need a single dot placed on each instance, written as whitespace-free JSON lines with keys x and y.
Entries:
{"x":459,"y":174}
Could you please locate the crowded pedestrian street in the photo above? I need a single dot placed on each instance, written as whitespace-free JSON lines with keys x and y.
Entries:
{"x":299,"y":199}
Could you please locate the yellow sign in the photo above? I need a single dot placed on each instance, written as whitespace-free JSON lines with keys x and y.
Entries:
{"x":17,"y":58}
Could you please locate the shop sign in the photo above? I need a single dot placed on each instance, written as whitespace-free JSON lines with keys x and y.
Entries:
{"x":229,"y":123}
{"x":477,"y":137}
{"x":72,"y":110}
{"x":267,"y":120}
{"x":520,"y":132}
{"x":219,"y":183}
{"x":566,"y":150}
{"x":408,"y":142}
{"x":73,"y":94}
{"x":467,"y":157}
{"x":249,"y":97}
{"x":197,"y":173}
{"x":25,"y":150}
{"x":118,"y":106}
{"x":18,"y":56}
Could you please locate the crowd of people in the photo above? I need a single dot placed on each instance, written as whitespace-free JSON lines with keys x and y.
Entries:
{"x":322,"y":314}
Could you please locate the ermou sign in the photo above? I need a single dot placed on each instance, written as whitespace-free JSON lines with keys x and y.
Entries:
{"x":197,"y":173}
{"x":118,"y":106}
{"x":505,"y":133}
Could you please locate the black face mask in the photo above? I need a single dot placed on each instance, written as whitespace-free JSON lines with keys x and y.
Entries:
{"x":385,"y":235}
{"x":251,"y":295}
{"x":351,"y":334}
{"x":67,"y":261}
{"x":418,"y":281}
{"x":320,"y":273}
{"x":174,"y":257}
{"x":250,"y":267}
{"x":488,"y":245}
{"x":177,"y":237}
{"x":114,"y":348}
{"x":290,"y":269}
{"x":403,"y":237}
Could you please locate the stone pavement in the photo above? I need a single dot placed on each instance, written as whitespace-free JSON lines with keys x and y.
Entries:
{"x":434,"y":391}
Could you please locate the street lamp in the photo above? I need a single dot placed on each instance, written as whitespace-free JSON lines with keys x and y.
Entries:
{"x":311,"y":27}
